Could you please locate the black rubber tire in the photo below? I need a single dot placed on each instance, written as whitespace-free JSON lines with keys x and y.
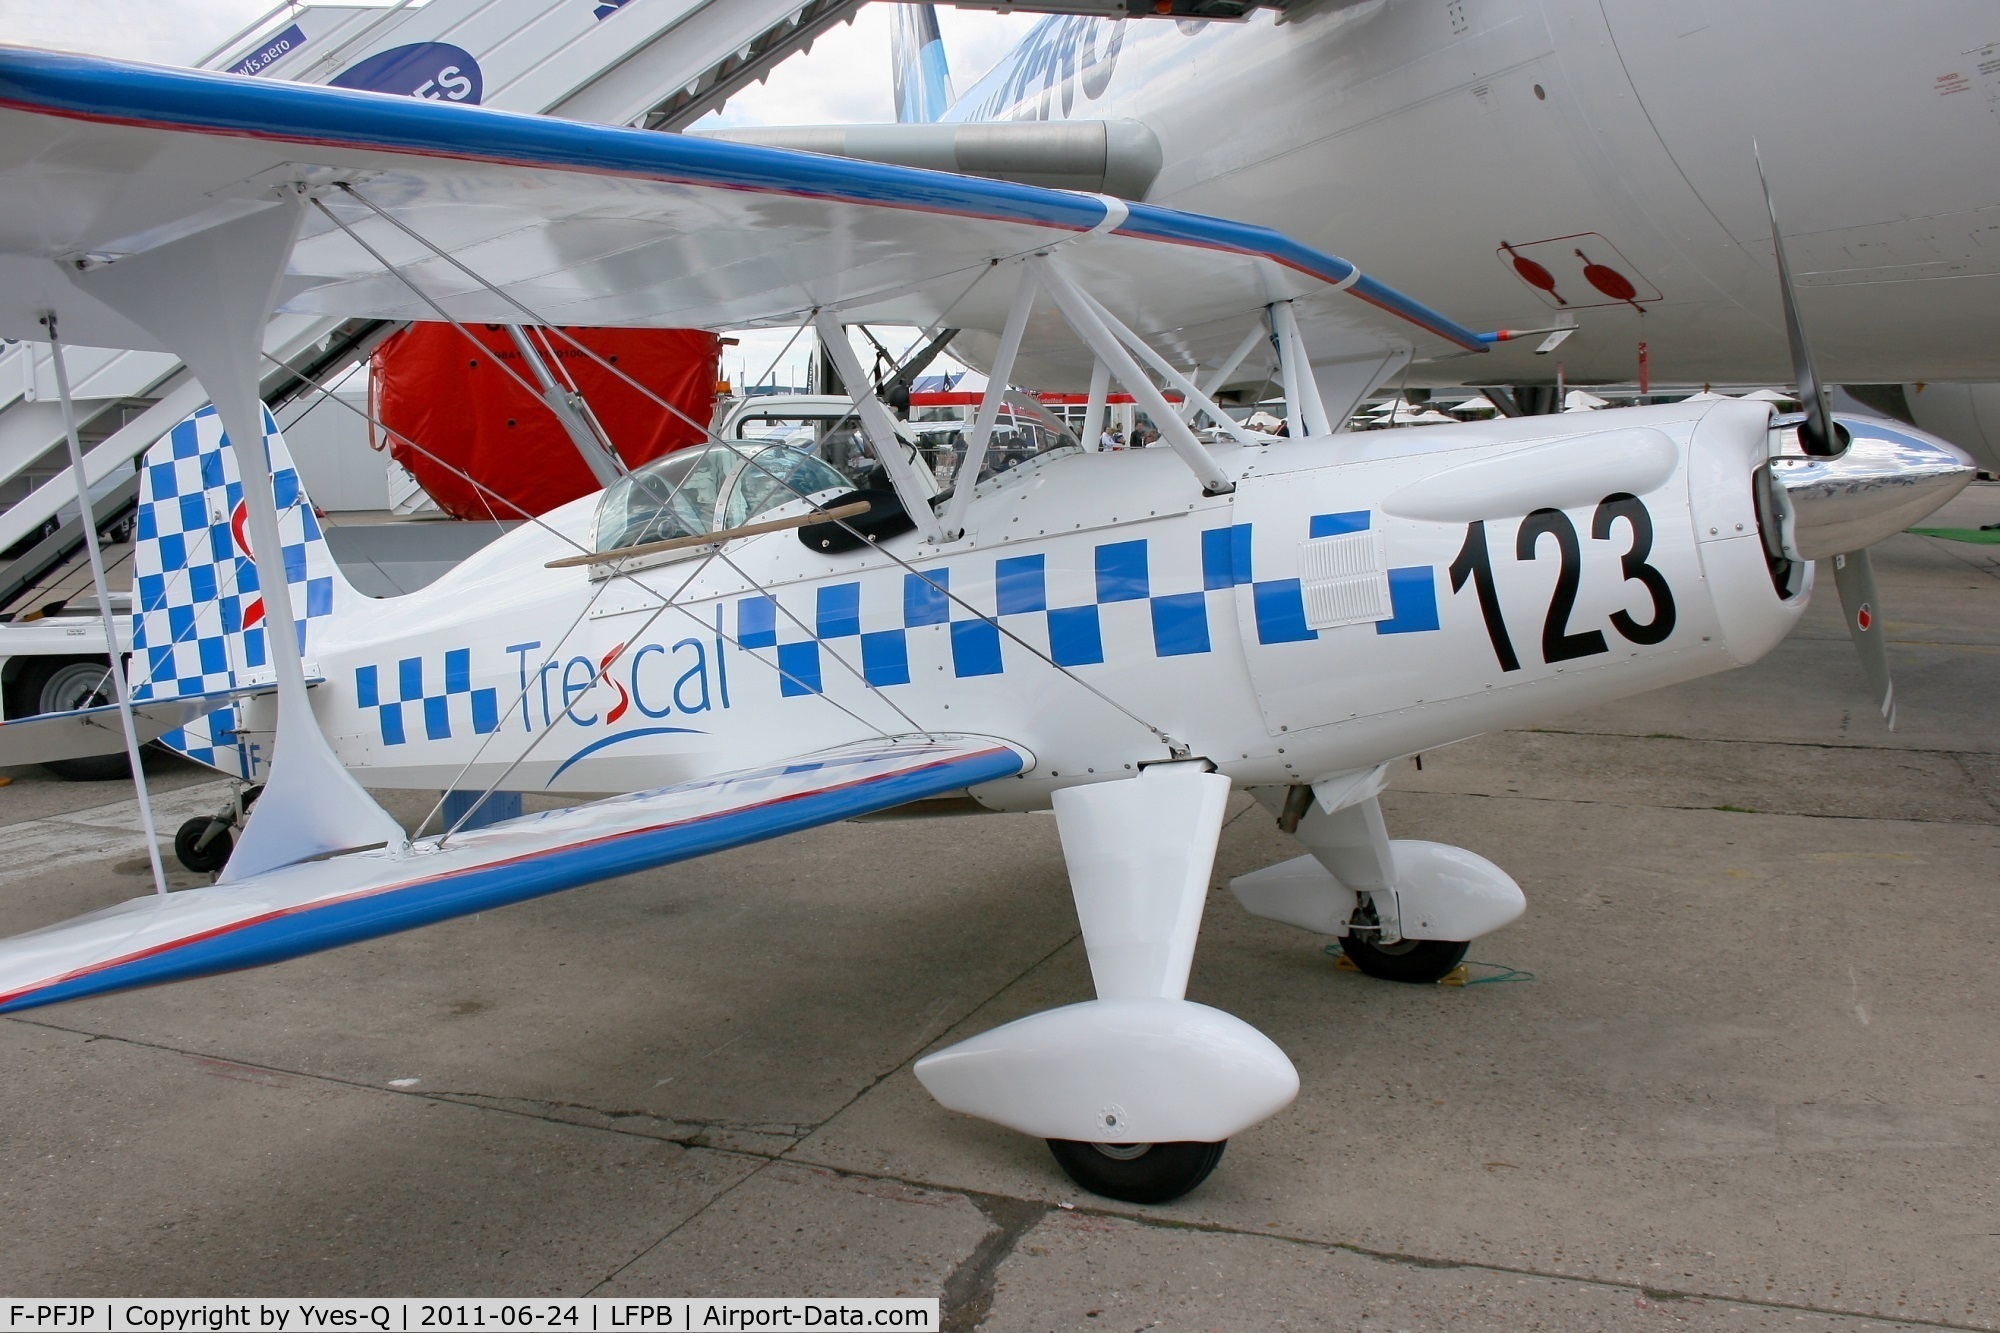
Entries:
{"x":60,"y":685}
{"x":204,"y":860}
{"x":1417,"y":962}
{"x":1160,"y":1174}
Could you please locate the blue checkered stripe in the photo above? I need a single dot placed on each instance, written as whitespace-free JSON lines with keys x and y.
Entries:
{"x":1122,"y":574}
{"x":1280,"y":604}
{"x":193,"y":586}
{"x":212,"y":740}
{"x":404,"y":699}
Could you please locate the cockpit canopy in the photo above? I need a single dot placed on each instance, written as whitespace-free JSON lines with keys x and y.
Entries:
{"x":702,"y":490}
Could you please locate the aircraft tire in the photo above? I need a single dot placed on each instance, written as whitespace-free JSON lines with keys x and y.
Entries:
{"x":203,"y":859}
{"x":1417,"y":962}
{"x":1156,"y":1173}
{"x":59,"y":685}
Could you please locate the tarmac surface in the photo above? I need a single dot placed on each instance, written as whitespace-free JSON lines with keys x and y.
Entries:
{"x":1745,"y":1075}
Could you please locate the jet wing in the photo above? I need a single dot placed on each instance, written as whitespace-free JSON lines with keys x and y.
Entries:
{"x":319,"y":905}
{"x":82,"y":732}
{"x":598,"y":225}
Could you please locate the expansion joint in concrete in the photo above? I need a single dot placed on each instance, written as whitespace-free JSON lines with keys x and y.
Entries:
{"x":967,"y":1296}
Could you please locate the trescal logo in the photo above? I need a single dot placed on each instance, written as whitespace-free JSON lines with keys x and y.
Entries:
{"x":436,"y":71}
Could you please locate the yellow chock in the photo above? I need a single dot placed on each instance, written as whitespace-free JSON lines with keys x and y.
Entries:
{"x":1458,"y":976}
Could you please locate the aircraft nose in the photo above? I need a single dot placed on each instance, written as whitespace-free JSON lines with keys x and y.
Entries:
{"x":1890,"y":477}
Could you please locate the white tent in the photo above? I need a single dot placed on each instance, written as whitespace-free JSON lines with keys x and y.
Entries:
{"x":1481,"y":405}
{"x":1768,"y":396}
{"x":1705,"y":396}
{"x":1578,"y":400}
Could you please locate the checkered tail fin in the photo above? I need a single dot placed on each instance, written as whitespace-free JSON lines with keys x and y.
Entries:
{"x":198,"y":621}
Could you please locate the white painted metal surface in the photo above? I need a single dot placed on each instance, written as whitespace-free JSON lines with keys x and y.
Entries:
{"x":1137,"y":639}
{"x":1618,"y":129}
{"x":1117,"y":1071}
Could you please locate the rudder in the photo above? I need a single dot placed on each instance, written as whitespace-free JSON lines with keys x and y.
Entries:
{"x":198,"y":620}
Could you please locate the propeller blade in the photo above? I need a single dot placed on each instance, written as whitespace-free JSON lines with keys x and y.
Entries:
{"x":1820,"y":435}
{"x":1860,"y":604}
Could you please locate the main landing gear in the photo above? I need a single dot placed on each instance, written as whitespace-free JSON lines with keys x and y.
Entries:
{"x":1404,"y":909}
{"x":1137,"y":1172}
{"x":1137,"y":1090}
{"x":1418,"y":962}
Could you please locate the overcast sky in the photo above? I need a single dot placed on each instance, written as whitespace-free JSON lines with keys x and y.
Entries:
{"x":844,"y":79}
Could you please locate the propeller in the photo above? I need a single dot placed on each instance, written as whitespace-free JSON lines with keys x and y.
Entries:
{"x":1854,"y":575}
{"x":1822,"y":437}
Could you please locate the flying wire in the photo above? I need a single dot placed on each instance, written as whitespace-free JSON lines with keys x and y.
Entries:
{"x":507,"y":297}
{"x":666,"y":601}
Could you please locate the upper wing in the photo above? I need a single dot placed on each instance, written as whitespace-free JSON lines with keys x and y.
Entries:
{"x":318,"y":905}
{"x":594,"y":225}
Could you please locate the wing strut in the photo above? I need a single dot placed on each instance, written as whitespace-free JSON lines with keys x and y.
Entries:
{"x":121,"y":689}
{"x":568,"y":407}
{"x":1093,"y":412}
{"x":967,"y":480}
{"x":1077,"y":310}
{"x":207,"y":297}
{"x":1302,"y":400}
{"x":1194,"y":401}
{"x":1220,"y":375}
{"x":876,"y":423}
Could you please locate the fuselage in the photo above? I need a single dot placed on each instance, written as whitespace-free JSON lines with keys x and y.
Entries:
{"x":1530,"y":162}
{"x":1356,"y":598}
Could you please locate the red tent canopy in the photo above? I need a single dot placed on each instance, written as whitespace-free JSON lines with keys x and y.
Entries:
{"x":434,"y":389}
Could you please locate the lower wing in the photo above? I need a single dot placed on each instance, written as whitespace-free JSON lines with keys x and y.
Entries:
{"x":318,"y":905}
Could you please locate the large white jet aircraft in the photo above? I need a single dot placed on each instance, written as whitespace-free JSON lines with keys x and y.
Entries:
{"x":1549,"y":162}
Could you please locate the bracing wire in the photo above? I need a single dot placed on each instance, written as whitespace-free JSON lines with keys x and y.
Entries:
{"x":537,"y":319}
{"x":666,"y":601}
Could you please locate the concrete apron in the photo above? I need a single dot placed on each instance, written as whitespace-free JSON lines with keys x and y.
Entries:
{"x":1753,"y":1081}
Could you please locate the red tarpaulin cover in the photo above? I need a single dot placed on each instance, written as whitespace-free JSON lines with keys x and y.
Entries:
{"x":434,"y":388}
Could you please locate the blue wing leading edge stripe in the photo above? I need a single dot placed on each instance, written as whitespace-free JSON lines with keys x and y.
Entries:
{"x":95,"y":89}
{"x":1166,"y":224}
{"x":479,"y":888}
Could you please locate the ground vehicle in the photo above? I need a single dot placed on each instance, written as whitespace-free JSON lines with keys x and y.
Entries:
{"x":54,"y":663}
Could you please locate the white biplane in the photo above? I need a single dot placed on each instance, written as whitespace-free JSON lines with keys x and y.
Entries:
{"x":749,"y":645}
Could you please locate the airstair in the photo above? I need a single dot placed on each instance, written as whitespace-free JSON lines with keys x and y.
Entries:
{"x":656,"y":63}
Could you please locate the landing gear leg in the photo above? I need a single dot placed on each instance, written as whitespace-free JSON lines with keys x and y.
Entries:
{"x":203,"y":843}
{"x":1404,"y":908}
{"x":1137,"y":1090}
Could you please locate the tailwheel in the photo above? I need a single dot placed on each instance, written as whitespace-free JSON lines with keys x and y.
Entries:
{"x":1137,"y":1172}
{"x":203,"y":844}
{"x":1418,"y":962}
